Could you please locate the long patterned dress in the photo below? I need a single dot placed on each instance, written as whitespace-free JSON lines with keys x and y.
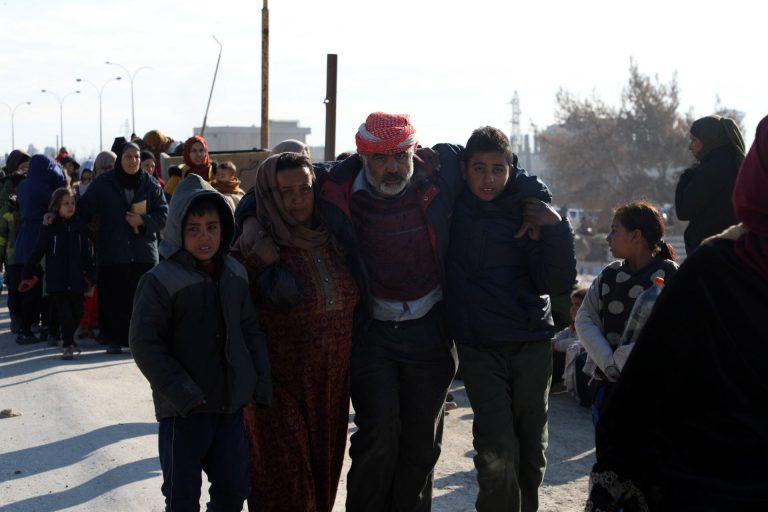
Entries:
{"x":297,"y":446}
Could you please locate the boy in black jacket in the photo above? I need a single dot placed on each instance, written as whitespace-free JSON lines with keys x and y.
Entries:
{"x":509,"y":249}
{"x":195,"y":337}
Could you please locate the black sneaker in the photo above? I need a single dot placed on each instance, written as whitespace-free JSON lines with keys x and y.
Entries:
{"x":26,"y":338}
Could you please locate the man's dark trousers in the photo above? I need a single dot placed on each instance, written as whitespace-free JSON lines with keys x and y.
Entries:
{"x":400,"y":377}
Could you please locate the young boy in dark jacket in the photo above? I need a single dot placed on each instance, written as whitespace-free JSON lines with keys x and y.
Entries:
{"x":195,"y":337}
{"x":509,"y":249}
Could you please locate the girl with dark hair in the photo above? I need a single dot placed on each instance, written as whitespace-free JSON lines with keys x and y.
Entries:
{"x":636,"y":238}
{"x":68,"y":265}
{"x":687,"y":427}
{"x":132,"y":210}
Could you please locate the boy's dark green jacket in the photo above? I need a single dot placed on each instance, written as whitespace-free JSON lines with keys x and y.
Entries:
{"x":192,"y":331}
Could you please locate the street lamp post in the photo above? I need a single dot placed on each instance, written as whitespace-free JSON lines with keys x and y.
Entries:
{"x":99,"y":91}
{"x":131,"y":76}
{"x":61,"y":109}
{"x":13,"y":115}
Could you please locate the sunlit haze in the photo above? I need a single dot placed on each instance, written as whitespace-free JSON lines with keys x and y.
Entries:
{"x":453,"y":66}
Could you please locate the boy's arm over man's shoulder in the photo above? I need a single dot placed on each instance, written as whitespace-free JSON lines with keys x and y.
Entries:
{"x":551,"y":253}
{"x":149,"y":338}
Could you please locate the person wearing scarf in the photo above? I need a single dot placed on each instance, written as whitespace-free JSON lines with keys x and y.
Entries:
{"x":157,"y":143}
{"x":703,"y":193}
{"x":687,"y":427}
{"x":132,"y":210}
{"x":298,"y":445}
{"x":196,"y":161}
{"x":105,"y":161}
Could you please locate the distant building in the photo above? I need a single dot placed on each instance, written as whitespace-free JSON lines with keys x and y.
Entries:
{"x":533,"y":161}
{"x":232,"y":138}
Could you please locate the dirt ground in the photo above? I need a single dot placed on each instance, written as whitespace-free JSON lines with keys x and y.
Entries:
{"x":85,"y":438}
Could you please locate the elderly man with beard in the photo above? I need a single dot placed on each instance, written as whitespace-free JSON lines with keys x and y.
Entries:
{"x":389,"y":206}
{"x":391,"y":211}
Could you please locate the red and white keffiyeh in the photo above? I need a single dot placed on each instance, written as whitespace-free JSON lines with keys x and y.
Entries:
{"x":385,"y":133}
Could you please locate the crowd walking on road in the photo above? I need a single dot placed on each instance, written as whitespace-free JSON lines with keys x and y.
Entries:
{"x":258,"y":315}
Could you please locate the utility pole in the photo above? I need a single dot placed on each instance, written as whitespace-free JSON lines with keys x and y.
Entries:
{"x":515,"y":138}
{"x":216,"y":72}
{"x":265,"y":76}
{"x":330,"y":108}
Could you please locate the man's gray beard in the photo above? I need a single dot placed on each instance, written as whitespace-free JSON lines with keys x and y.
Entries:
{"x":384,"y":189}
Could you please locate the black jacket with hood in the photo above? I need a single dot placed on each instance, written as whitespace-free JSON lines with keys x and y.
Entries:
{"x":703,"y":195}
{"x":195,"y":336}
{"x":498,"y":285}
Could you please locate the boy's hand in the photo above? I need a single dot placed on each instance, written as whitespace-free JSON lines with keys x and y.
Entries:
{"x":536,"y":213}
{"x":48,"y":218}
{"x":27,"y":284}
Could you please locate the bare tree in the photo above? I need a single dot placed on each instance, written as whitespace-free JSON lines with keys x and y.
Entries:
{"x":602,"y":156}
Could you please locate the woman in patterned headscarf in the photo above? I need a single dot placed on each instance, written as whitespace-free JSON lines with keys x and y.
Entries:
{"x":703,"y":194}
{"x":298,"y":445}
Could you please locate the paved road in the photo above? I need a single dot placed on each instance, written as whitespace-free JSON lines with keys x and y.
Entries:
{"x":85,"y":439}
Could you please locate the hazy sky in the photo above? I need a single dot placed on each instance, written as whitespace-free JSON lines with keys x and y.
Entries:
{"x":452,"y":65}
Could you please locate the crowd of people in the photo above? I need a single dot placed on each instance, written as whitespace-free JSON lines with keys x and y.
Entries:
{"x":256,"y":316}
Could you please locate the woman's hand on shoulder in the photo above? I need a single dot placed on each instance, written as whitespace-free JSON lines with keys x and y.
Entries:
{"x":266,"y":250}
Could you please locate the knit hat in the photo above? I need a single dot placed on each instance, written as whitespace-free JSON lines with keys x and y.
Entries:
{"x":385,"y":133}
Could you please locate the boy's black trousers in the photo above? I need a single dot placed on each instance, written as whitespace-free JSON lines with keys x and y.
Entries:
{"x":214,"y":443}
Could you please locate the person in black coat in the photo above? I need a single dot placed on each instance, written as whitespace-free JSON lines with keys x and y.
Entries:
{"x":703,"y":194}
{"x":132,"y":211}
{"x":69,"y":265}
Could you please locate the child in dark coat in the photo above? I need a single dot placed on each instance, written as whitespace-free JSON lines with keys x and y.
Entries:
{"x":68,"y":262}
{"x":509,"y":250}
{"x":195,"y":337}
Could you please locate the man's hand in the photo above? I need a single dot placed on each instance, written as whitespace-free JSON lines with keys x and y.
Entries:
{"x":536,"y":213}
{"x":254,"y":241}
{"x":252,"y":233}
{"x":48,"y":218}
{"x":266,"y":250}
